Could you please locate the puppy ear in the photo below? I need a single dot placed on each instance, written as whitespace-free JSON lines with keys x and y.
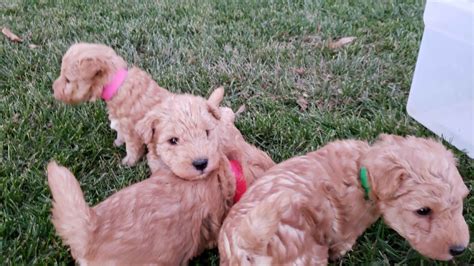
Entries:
{"x":213,"y":102}
{"x":385,"y":188}
{"x":91,"y":67}
{"x":146,"y":126}
{"x":214,"y":111}
{"x":386,"y":175}
{"x":216,"y":97}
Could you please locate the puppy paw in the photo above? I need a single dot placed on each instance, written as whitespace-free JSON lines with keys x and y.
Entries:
{"x":129,"y":161}
{"x":118,"y":142}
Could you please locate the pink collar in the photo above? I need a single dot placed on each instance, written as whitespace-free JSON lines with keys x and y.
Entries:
{"x":112,"y":87}
{"x":240,"y":183}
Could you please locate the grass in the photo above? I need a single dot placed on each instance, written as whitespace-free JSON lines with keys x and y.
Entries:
{"x":267,"y":54}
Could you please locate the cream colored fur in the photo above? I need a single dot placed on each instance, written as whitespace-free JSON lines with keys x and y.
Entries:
{"x":86,"y":68}
{"x":175,"y":214}
{"x":322,"y":210}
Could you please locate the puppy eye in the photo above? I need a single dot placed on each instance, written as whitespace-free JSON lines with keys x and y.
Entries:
{"x":423,"y":211}
{"x":207,"y":132}
{"x":67,"y":80}
{"x":173,"y":141}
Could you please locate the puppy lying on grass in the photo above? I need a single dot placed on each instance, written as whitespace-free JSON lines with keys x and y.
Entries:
{"x":313,"y":207}
{"x":175,"y":214}
{"x":93,"y":71}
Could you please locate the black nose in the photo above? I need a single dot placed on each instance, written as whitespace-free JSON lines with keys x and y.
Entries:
{"x":200,"y":164}
{"x":456,"y":250}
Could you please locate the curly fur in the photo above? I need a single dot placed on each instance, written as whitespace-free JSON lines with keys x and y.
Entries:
{"x":86,"y":68}
{"x":320,"y":209}
{"x":176,"y":213}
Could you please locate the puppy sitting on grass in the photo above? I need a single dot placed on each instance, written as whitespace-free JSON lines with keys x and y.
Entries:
{"x":93,"y":71}
{"x":175,"y":214}
{"x":314,"y":207}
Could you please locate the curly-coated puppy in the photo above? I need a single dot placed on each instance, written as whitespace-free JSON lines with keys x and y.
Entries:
{"x":170,"y":217}
{"x":254,"y":162}
{"x":313,"y":207}
{"x":93,"y":71}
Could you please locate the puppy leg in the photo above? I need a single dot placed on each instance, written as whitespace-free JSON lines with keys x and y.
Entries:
{"x":135,"y":150}
{"x":319,"y":255}
{"x":153,"y":160}
{"x":338,"y":250}
{"x":119,"y":141}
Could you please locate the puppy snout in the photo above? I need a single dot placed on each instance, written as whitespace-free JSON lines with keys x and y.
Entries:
{"x":56,"y":90}
{"x":200,"y":164}
{"x":57,"y":95}
{"x":456,"y":250}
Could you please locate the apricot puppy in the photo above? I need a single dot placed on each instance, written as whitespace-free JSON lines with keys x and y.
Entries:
{"x":175,"y":214}
{"x":313,"y":207}
{"x":94,"y":71}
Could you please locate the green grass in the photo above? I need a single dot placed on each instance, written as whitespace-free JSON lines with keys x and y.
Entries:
{"x":250,"y":47}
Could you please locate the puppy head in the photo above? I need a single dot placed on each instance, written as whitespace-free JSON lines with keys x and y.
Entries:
{"x":420,"y":194}
{"x":183,"y":132}
{"x":85,"y":69}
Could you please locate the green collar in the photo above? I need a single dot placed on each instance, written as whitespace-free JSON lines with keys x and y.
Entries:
{"x":364,"y":180}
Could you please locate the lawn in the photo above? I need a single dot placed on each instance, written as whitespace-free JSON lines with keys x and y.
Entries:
{"x":273,"y":56}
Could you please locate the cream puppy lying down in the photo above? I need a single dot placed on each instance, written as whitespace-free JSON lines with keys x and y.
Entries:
{"x":314,"y":207}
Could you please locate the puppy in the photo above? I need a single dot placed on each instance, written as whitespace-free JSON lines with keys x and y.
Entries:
{"x":175,"y":214}
{"x":313,"y":207}
{"x":93,"y":71}
{"x":254,"y":161}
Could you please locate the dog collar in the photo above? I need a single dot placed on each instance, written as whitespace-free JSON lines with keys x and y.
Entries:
{"x":364,"y":180}
{"x":112,"y":87}
{"x":240,"y":183}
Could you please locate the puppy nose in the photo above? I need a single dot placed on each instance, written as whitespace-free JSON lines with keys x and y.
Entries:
{"x":56,"y":94}
{"x":200,"y":164}
{"x":456,"y":250}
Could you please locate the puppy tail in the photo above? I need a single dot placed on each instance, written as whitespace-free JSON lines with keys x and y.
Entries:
{"x":71,"y":216}
{"x":261,"y":223}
